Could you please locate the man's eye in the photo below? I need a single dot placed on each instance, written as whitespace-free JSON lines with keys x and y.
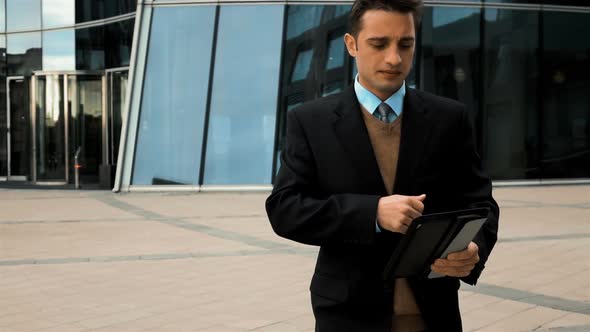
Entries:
{"x":405,"y":46}
{"x":379,"y":46}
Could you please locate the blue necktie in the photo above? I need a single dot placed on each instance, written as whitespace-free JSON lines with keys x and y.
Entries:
{"x":385,"y":113}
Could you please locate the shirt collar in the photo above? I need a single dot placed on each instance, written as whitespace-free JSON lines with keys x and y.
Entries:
{"x":370,"y":102}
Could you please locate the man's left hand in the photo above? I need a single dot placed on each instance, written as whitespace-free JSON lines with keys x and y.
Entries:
{"x":458,"y":264}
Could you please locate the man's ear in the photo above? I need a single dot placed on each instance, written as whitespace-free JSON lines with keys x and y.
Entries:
{"x":350,"y":43}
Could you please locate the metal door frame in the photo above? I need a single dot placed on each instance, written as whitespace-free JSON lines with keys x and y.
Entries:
{"x":9,"y":177}
{"x":64,"y":76}
{"x":108,"y":121}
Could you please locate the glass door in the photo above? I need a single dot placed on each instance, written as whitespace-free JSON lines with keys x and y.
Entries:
{"x":50,"y":129}
{"x":18,"y":145}
{"x":86,"y":125}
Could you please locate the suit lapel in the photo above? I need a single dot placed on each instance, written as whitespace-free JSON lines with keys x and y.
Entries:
{"x":352,"y":132}
{"x":414,"y":133}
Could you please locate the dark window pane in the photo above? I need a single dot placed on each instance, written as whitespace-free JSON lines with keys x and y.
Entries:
{"x":170,"y":132}
{"x":24,"y":53}
{"x":104,"y":47}
{"x":302,"y":65}
{"x":301,"y":19}
{"x":336,"y":54}
{"x":566,"y":102}
{"x":23,"y":15}
{"x":59,"y":50}
{"x":510,"y":108}
{"x":242,"y":126}
{"x":315,"y":62}
{"x":90,"y":48}
{"x":91,"y":10}
{"x":451,"y":55}
{"x":58,"y":13}
{"x":118,"y":39}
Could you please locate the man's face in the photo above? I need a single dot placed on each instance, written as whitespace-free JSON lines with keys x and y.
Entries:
{"x":383,"y":49}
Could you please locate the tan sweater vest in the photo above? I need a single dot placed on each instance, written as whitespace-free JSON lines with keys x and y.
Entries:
{"x":385,"y":139}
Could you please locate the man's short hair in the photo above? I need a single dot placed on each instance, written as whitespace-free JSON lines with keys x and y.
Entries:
{"x":403,"y":6}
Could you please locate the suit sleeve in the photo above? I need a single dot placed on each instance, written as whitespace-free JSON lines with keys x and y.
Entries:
{"x":297,"y":208}
{"x":475,"y":190}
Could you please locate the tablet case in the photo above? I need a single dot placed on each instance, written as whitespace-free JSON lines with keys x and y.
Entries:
{"x":430,"y":237}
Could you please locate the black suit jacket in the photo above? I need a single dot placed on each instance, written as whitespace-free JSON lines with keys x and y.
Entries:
{"x":326,"y":194}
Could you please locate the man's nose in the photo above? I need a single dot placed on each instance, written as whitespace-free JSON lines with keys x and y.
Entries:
{"x":393,"y":57}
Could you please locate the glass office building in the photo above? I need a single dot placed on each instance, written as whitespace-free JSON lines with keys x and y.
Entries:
{"x":210,"y":83}
{"x":63,"y":80}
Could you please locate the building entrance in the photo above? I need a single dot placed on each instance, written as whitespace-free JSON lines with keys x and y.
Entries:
{"x":68,"y":118}
{"x":17,"y":135}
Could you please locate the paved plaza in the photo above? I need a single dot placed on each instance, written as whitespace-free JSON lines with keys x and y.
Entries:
{"x":99,"y":261}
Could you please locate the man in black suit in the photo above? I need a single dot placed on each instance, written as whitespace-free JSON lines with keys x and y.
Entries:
{"x":359,"y":166}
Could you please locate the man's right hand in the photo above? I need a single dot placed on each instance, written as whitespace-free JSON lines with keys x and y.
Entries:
{"x":395,"y":213}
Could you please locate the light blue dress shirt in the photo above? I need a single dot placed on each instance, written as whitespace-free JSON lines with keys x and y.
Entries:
{"x":370,"y":102}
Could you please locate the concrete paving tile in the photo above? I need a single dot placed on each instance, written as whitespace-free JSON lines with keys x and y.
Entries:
{"x":220,"y":328}
{"x":492,"y":313}
{"x":34,"y":324}
{"x":106,"y":239}
{"x":102,"y":321}
{"x":71,"y":208}
{"x":568,"y":320}
{"x":224,"y":287}
{"x":476,"y":302}
{"x":528,"y":320}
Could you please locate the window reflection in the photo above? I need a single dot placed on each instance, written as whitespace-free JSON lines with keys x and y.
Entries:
{"x":451,"y":54}
{"x":336,"y":53}
{"x":118,"y":40}
{"x":23,"y":15}
{"x":302,"y":65}
{"x":170,"y":131}
{"x":58,"y":13}
{"x":510,"y":114}
{"x":90,"y":48}
{"x":91,"y":10}
{"x":59,"y":51}
{"x":565,"y":98}
{"x":242,"y":124}
{"x":23,"y":53}
{"x":2,"y":20}
{"x":315,"y":62}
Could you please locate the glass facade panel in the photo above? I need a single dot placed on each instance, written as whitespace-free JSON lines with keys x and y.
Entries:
{"x":242,"y":123}
{"x":118,"y":38}
{"x":510,"y":108}
{"x":50,"y":127}
{"x":315,"y":62}
{"x":90,"y":48}
{"x":59,"y":50}
{"x":85,"y":126}
{"x":19,"y":145}
{"x":451,"y":53}
{"x":23,"y":53}
{"x":336,"y":53}
{"x":565,"y":99}
{"x":170,"y":130}
{"x":91,"y":10}
{"x":104,"y":47}
{"x":302,"y":65}
{"x":58,"y":13}
{"x":23,"y":15}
